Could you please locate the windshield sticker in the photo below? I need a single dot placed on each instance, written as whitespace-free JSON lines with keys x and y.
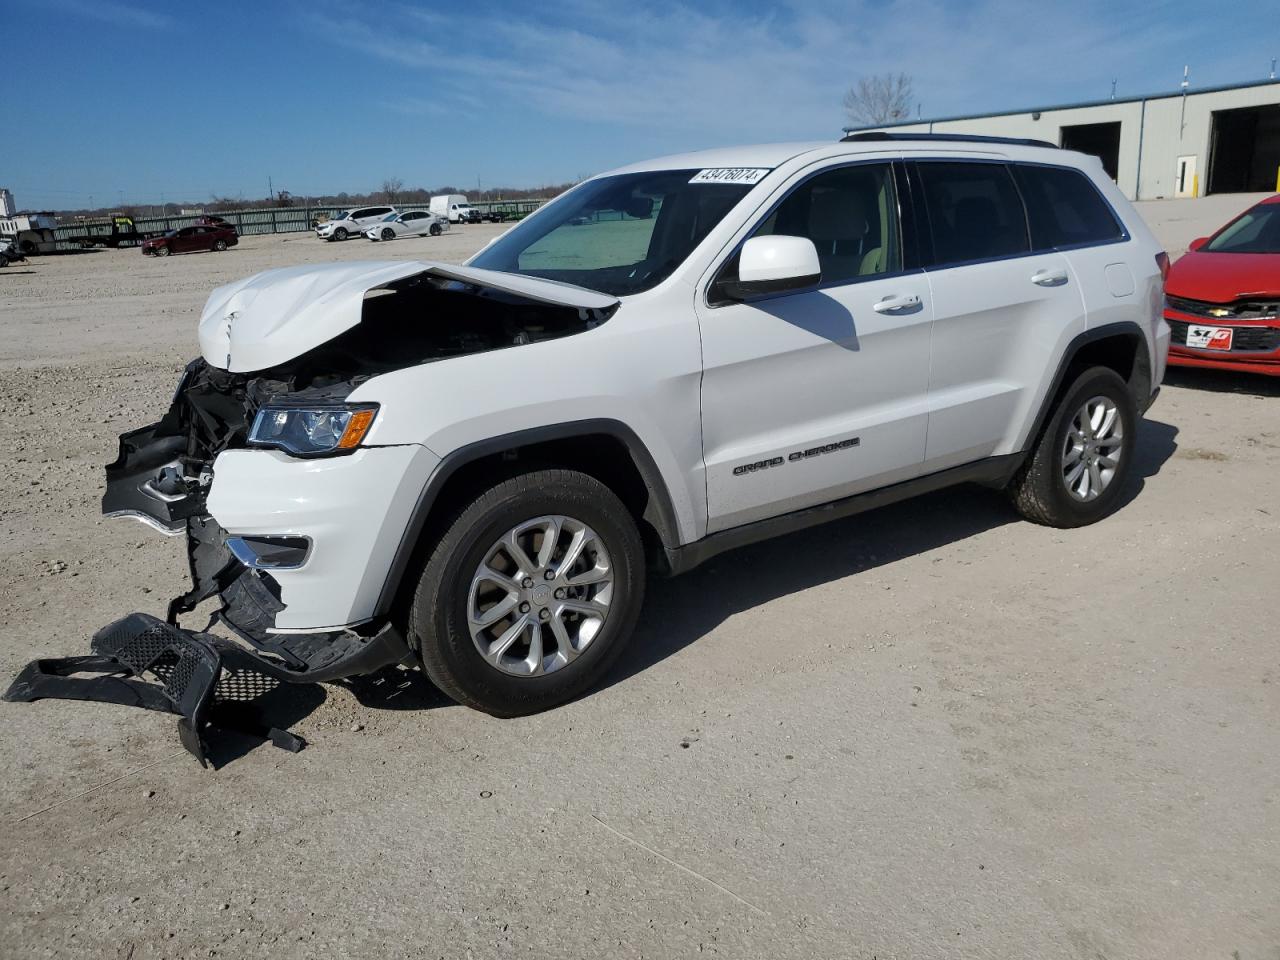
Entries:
{"x":746,"y":175}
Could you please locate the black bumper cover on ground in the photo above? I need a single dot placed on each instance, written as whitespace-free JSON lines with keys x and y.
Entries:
{"x":141,"y":661}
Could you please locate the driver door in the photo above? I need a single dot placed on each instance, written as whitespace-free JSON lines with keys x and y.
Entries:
{"x":811,"y":396}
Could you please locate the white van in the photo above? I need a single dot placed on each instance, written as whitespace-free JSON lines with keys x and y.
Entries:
{"x":454,"y":207}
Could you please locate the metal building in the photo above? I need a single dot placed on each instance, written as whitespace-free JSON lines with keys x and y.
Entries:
{"x":1184,"y":144}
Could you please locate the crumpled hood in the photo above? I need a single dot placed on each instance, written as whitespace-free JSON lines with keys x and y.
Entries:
{"x":274,"y":316}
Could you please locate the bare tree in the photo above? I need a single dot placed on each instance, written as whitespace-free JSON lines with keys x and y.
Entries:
{"x":884,"y":98}
{"x":391,"y":188}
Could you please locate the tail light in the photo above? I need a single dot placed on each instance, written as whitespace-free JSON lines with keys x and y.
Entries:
{"x":1162,"y":261}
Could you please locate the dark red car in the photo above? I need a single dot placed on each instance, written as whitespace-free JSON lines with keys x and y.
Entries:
{"x":191,"y":239}
{"x":1222,"y":298}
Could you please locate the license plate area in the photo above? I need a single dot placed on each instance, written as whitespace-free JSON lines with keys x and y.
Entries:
{"x":1201,"y":337}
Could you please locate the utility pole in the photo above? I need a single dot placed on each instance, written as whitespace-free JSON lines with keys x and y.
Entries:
{"x":271,"y":190}
{"x":1273,"y":68}
{"x":1113,"y":89}
{"x":1186,"y":82}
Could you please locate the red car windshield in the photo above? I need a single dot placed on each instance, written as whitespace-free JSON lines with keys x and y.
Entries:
{"x":1255,"y":231}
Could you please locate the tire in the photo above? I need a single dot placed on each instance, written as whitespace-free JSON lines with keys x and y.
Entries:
{"x":450,"y":588}
{"x":388,"y":233}
{"x":340,"y":233}
{"x":162,"y":251}
{"x":1065,"y":481}
{"x":28,"y":248}
{"x":435,"y":230}
{"x":219,"y":246}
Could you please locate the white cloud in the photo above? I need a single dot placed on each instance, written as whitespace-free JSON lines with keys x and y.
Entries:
{"x":115,"y":13}
{"x":775,"y":74}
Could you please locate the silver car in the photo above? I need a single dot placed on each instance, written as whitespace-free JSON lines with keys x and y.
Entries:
{"x":411,"y":223}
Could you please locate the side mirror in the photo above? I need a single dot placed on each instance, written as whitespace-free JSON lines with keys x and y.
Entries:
{"x":1197,"y":243}
{"x":776,"y":264}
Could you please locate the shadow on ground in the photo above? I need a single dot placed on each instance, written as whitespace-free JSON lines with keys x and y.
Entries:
{"x":1223,"y":381}
{"x":679,"y":611}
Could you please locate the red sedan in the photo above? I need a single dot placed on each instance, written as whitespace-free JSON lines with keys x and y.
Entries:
{"x":191,"y":239}
{"x":1222,"y":299}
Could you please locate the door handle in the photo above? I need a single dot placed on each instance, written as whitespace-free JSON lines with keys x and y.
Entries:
{"x":905,"y":304}
{"x":1049,"y":278}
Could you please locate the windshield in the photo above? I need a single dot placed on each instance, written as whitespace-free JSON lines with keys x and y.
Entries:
{"x":618,"y":235}
{"x":389,"y":217}
{"x":1254,"y":231}
{"x":342,"y":215}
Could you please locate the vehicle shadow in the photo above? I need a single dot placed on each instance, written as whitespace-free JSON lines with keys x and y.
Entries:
{"x":681,"y":610}
{"x":1222,"y":381}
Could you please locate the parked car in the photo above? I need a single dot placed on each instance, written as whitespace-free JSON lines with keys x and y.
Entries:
{"x":9,"y":252}
{"x":191,"y":240}
{"x":352,"y":223}
{"x":735,"y":344}
{"x":411,"y":223}
{"x":453,"y":207}
{"x":1222,"y":299}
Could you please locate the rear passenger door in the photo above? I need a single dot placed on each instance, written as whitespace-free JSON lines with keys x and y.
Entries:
{"x":1067,"y":213}
{"x":1001,"y":311}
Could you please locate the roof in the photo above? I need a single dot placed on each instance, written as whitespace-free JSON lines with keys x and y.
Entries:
{"x":1069,"y":106}
{"x":761,"y":155}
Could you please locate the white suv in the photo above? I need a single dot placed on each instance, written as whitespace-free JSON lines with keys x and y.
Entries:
{"x":351,"y":223}
{"x":470,"y":468}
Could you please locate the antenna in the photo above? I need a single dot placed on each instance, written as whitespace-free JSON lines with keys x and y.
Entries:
{"x":1273,"y":68}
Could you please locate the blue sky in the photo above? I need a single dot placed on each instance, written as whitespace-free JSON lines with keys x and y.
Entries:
{"x":126,"y":98}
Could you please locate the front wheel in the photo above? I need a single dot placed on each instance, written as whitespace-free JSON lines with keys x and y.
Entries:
{"x":388,"y":233}
{"x":162,"y":251}
{"x":530,"y":595}
{"x":1084,"y":459}
{"x":340,"y":233}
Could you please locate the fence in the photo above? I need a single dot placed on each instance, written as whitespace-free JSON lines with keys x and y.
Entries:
{"x":271,"y":220}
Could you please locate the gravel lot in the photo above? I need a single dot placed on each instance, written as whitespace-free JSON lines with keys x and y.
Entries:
{"x":930,"y":731}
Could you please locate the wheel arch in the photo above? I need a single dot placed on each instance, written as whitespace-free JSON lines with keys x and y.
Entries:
{"x":1118,"y":346}
{"x":608,"y":450}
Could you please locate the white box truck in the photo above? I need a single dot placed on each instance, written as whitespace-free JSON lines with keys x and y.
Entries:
{"x":454,"y":207}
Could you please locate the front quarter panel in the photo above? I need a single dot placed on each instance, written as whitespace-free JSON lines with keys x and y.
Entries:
{"x":641,"y":368}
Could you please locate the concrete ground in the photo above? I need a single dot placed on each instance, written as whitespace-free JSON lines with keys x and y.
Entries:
{"x":929,"y":731}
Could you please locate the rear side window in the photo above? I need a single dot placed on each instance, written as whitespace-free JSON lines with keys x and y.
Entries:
{"x":975,"y":212}
{"x":1064,"y":208}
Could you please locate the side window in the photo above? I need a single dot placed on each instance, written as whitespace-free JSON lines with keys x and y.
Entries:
{"x":850,"y":214}
{"x":975,"y":212}
{"x":1064,"y":208}
{"x":359,"y":214}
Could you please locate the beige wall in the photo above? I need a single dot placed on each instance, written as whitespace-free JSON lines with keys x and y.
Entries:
{"x":1164,"y":134}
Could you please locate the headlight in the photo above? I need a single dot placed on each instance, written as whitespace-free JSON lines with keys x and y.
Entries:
{"x":312,"y":431}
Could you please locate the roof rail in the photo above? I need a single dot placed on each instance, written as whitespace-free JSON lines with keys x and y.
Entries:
{"x":945,"y":137}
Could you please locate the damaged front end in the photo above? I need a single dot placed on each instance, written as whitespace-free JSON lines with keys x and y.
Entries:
{"x":260,"y":431}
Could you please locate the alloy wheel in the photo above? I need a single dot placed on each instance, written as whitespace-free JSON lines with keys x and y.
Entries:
{"x":540,"y":596}
{"x":1092,"y":449}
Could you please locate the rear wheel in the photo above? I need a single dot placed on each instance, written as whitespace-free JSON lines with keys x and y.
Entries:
{"x":1084,"y":459}
{"x":530,"y":595}
{"x":340,"y":233}
{"x":219,"y":245}
{"x":435,"y":230}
